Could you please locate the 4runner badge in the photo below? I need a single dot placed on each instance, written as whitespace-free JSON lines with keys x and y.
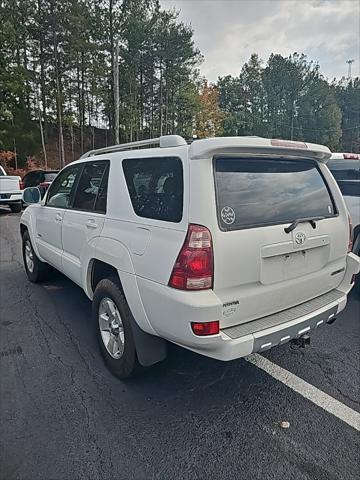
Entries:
{"x":300,"y":238}
{"x":228,"y":215}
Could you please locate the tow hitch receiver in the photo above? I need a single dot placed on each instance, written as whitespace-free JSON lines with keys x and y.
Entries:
{"x":300,"y":342}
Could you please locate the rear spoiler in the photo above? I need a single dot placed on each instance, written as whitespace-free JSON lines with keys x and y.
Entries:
{"x":257,"y":146}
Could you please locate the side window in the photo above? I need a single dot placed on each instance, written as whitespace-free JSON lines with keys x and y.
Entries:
{"x":345,"y":169}
{"x":100,"y":204}
{"x":89,"y":186}
{"x":156,"y":187}
{"x":61,"y":190}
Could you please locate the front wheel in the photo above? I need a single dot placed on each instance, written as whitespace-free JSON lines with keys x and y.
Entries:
{"x":112,"y":320}
{"x":36,"y":270}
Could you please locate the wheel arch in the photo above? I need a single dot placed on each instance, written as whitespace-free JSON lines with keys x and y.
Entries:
{"x":150,"y":347}
{"x":26,"y":226}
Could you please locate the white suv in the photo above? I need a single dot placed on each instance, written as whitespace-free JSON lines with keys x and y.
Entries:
{"x":227,"y":246}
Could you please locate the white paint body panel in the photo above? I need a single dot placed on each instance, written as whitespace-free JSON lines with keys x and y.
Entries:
{"x":247,"y":263}
{"x":9,"y":185}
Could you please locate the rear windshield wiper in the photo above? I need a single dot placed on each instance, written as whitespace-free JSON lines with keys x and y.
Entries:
{"x":295,"y":223}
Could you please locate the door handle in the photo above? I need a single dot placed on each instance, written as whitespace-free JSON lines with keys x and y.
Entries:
{"x":58,"y":217}
{"x":91,"y":224}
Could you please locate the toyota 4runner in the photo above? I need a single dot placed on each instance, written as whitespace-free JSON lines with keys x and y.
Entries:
{"x":227,"y":246}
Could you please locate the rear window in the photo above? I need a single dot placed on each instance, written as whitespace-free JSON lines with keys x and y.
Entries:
{"x":156,"y":187}
{"x":258,"y":192}
{"x":49,"y":177}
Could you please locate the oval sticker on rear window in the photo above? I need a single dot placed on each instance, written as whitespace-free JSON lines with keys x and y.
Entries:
{"x":228,"y":215}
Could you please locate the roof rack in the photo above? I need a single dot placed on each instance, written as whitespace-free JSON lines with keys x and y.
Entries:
{"x":163,"y":141}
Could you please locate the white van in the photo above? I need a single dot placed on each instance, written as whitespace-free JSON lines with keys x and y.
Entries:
{"x":227,"y":246}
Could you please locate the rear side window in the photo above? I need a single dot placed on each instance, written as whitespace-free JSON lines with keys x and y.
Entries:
{"x":258,"y":192}
{"x":156,"y":187}
{"x":101,"y":201}
{"x":90,"y":186}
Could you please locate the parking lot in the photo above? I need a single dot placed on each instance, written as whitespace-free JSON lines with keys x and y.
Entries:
{"x":64,"y":416}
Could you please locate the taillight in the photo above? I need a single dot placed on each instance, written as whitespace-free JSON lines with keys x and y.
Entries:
{"x":21,"y":185}
{"x":351,"y":156}
{"x":350,"y":244}
{"x":205,"y":328}
{"x":194,"y":269}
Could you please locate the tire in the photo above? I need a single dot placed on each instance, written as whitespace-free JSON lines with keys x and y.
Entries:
{"x":357,"y":285}
{"x":39,"y":270}
{"x":110,"y":310}
{"x":15,"y":207}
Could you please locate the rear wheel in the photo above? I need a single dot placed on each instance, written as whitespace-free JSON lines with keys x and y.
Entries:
{"x":112,"y":320}
{"x":36,"y":270}
{"x":15,"y":207}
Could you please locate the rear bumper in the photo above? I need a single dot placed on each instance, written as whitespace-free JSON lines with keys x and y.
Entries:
{"x":173,"y":311}
{"x":280,"y":328}
{"x":6,"y":198}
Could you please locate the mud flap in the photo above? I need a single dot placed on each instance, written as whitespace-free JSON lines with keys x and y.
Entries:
{"x":149,"y":349}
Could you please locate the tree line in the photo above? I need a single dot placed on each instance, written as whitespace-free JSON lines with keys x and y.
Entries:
{"x":70,"y":68}
{"x":289,"y":98}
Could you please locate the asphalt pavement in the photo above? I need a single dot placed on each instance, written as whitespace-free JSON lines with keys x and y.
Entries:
{"x":63,"y":416}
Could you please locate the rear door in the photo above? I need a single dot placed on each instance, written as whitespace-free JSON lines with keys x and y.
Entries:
{"x":84,"y":220}
{"x":259,"y":267}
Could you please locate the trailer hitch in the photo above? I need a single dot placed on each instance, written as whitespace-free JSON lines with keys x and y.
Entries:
{"x":300,"y":342}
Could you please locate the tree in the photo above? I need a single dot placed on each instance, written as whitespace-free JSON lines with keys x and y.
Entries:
{"x":288,"y":98}
{"x":209,"y":118}
{"x":57,"y":66}
{"x":347,"y":94}
{"x":319,"y":116}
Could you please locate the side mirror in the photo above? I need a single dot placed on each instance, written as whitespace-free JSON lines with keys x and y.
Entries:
{"x":31,"y":195}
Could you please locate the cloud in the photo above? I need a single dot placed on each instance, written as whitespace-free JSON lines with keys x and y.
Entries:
{"x":228,"y":31}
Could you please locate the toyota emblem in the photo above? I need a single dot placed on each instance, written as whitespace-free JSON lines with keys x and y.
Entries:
{"x":300,"y":238}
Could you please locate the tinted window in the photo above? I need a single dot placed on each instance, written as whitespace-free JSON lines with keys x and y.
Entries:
{"x":89,"y":185}
{"x":49,"y":176}
{"x":155,"y":187}
{"x":256,"y":191}
{"x":345,"y":169}
{"x":61,"y":190}
{"x":32,"y":179}
{"x":349,"y":189}
{"x":100,"y":204}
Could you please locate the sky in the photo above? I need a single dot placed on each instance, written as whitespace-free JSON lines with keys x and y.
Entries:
{"x":228,"y":31}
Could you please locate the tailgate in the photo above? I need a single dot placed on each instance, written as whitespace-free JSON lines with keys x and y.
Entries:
{"x":9,"y":184}
{"x":259,"y":267}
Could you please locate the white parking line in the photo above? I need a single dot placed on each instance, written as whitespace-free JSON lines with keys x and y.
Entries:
{"x":308,"y":391}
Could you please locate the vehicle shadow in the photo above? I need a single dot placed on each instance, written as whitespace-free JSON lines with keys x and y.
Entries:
{"x":4,"y":211}
{"x":181,"y":367}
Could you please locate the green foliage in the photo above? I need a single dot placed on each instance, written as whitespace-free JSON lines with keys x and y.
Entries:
{"x":289,"y":98}
{"x":57,"y":67}
{"x":57,"y":63}
{"x":347,"y":95}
